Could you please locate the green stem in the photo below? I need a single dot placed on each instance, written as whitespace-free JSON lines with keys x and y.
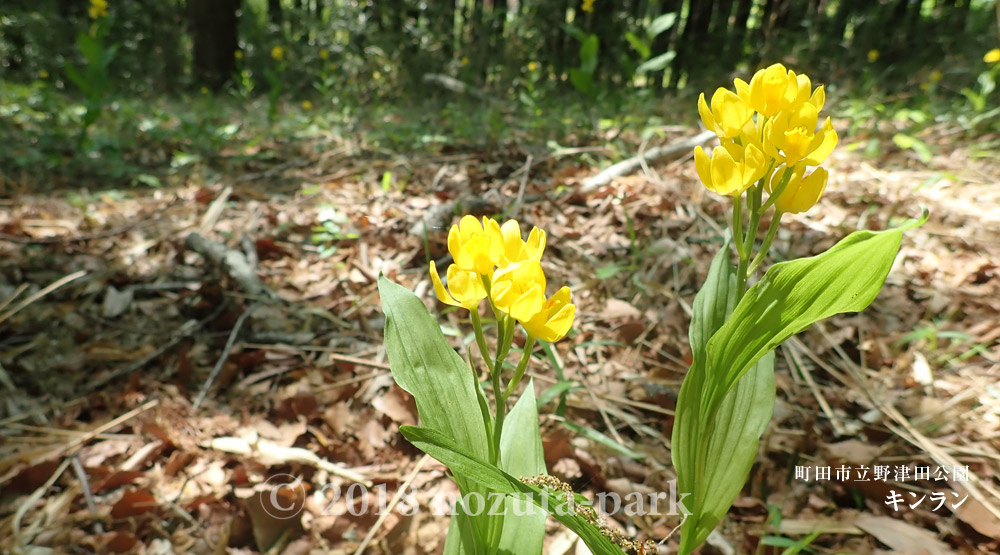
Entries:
{"x":477,"y":326}
{"x":505,"y":337}
{"x":772,"y":230}
{"x":521,"y":367}
{"x":738,"y":224}
{"x":776,"y":192}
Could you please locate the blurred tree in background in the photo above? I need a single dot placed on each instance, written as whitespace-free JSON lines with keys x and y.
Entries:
{"x":153,"y":84}
{"x":489,"y":43}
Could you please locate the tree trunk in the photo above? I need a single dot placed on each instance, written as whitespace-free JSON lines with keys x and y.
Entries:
{"x":214,"y":32}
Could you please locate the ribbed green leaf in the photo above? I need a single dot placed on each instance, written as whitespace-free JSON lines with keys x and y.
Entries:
{"x":445,"y":450}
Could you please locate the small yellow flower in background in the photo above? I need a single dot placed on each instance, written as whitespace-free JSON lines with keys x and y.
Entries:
{"x":993,"y":56}
{"x":532,"y":66}
{"x":98,"y":9}
{"x":872,"y":56}
{"x":465,"y":288}
{"x":465,"y":60}
{"x":731,"y":169}
{"x":936,"y":76}
{"x":204,"y":90}
{"x":588,"y":6}
{"x":278,"y":53}
{"x":324,"y":54}
{"x":42,"y":74}
{"x":306,"y":105}
{"x":238,"y":54}
{"x":801,"y":193}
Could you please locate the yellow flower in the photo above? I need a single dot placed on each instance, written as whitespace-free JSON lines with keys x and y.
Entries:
{"x":731,"y":169}
{"x":993,"y":56}
{"x":588,"y":6}
{"x":306,"y":105}
{"x":519,"y":290}
{"x":872,"y":56}
{"x":476,"y":247}
{"x":532,"y":66}
{"x":324,"y":54}
{"x":238,"y":54}
{"x":278,"y":53}
{"x":43,"y":74}
{"x":554,"y":319}
{"x":801,"y":193}
{"x":794,"y":133}
{"x":776,"y":88}
{"x":465,"y":288}
{"x":728,"y":114}
{"x":767,"y":89}
{"x":98,"y":8}
{"x":936,"y":76}
{"x":204,"y":90}
{"x":465,"y":60}
{"x":517,"y":250}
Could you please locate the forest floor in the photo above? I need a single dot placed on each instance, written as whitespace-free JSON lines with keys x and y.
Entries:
{"x":111,"y":322}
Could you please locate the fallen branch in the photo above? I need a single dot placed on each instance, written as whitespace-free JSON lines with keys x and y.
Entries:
{"x":626,"y":167}
{"x":225,"y":354}
{"x":233,"y":262}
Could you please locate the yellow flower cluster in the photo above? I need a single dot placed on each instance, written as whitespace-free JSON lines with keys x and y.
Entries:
{"x":98,"y":9}
{"x":767,"y":127}
{"x":278,"y":53}
{"x":493,"y":262}
{"x":588,"y":6}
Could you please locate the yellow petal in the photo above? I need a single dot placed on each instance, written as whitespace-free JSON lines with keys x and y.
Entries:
{"x":706,"y":114}
{"x":442,"y":295}
{"x":808,"y":192}
{"x":703,"y":164}
{"x":755,"y":165}
{"x":535,"y":245}
{"x":818,"y":98}
{"x":822,"y":145}
{"x":730,"y":112}
{"x":725,"y":175}
{"x":466,"y":287}
{"x":742,"y":90}
{"x":554,"y":320}
{"x":495,"y":238}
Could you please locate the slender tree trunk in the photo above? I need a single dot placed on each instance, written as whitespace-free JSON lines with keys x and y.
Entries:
{"x":214,"y":31}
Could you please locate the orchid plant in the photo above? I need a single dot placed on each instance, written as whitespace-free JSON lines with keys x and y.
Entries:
{"x":770,"y":136}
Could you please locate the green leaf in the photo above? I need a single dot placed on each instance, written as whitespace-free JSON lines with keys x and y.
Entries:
{"x":661,"y":24}
{"x":521,"y":454}
{"x":588,"y":53}
{"x":910,"y":142}
{"x":425,"y":366}
{"x":727,"y":397}
{"x":581,"y":80}
{"x":638,"y":44}
{"x":445,"y":450}
{"x":793,"y":295}
{"x":713,"y":456}
{"x":556,"y":390}
{"x":603,"y":439}
{"x":656,"y":64}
